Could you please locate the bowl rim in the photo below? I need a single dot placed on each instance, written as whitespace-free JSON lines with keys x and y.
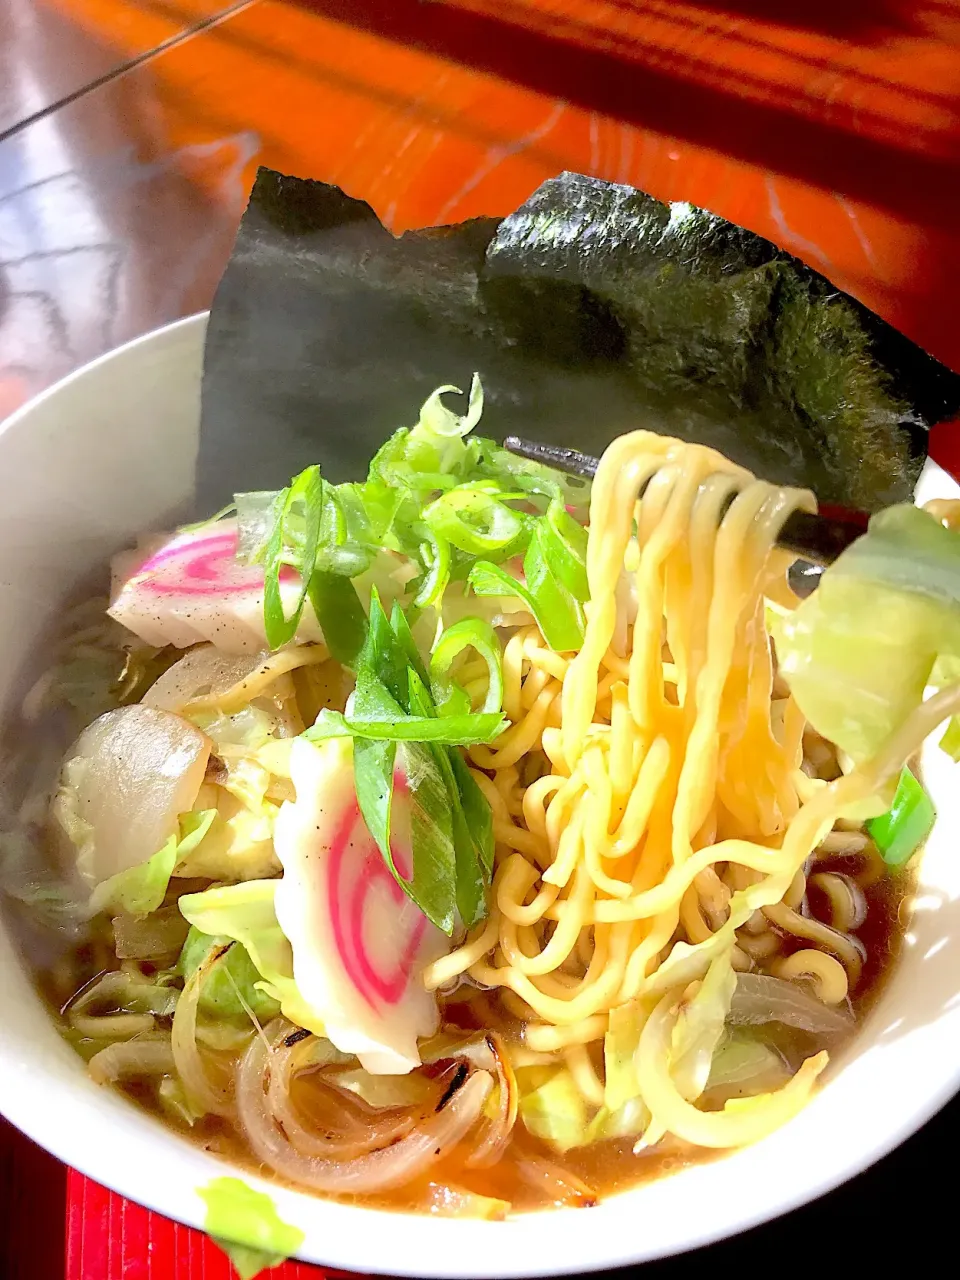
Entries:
{"x":147,"y":340}
{"x":346,"y":1236}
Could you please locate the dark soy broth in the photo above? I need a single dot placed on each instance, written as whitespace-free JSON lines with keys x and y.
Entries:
{"x":64,"y":959}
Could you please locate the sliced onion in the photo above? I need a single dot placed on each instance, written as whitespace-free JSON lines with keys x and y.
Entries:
{"x":486,"y":1052}
{"x":447,"y":1200}
{"x":202,"y":1093}
{"x":848,"y":904}
{"x":128,"y":778}
{"x":741,"y":1121}
{"x":204,"y":670}
{"x":149,"y":937}
{"x":224,"y":1037}
{"x":379,"y":1170}
{"x":112,"y":1026}
{"x":257,"y":682}
{"x":743,"y":1065}
{"x":280,"y":702}
{"x":496,"y":1133}
{"x":760,"y":999}
{"x":312,"y":1051}
{"x":383,"y":1093}
{"x":365,"y":1137}
{"x":131,"y":994}
{"x":518,"y":618}
{"x":559,"y":1186}
{"x":130,"y":1060}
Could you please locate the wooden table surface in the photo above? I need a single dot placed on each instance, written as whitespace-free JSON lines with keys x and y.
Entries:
{"x":130,"y":131}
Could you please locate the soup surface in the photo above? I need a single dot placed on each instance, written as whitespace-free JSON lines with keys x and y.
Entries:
{"x":64,"y":965}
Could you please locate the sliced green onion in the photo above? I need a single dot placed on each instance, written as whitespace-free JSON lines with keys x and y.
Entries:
{"x":433,"y":884}
{"x":438,"y":420}
{"x":217,"y":516}
{"x":400,"y":627}
{"x":468,"y":829}
{"x":436,"y":556}
{"x":469,"y":633}
{"x":559,"y":614}
{"x":900,"y":832}
{"x":469,"y":730}
{"x":382,"y":681}
{"x":340,"y":615}
{"x":440,"y":499}
{"x":535,"y":479}
{"x":473,"y":520}
{"x":564,"y":542}
{"x":478,"y":822}
{"x":257,"y":515}
{"x":303,"y":501}
{"x":393,"y":721}
{"x":489,"y":579}
{"x":358,"y":517}
{"x":471,"y":820}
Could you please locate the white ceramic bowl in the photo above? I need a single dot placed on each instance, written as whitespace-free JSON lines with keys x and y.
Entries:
{"x":109,"y":452}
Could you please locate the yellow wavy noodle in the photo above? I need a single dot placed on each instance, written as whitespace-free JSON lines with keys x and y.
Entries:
{"x":827,"y":972}
{"x":669,"y":824}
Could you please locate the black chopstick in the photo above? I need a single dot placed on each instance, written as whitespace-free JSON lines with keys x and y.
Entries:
{"x":817,"y":538}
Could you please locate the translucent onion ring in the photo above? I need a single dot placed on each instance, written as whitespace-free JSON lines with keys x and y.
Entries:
{"x":379,"y":1132}
{"x":378,"y":1170}
{"x":130,"y":1060}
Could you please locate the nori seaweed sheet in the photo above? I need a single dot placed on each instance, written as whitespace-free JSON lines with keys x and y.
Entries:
{"x":592,"y":310}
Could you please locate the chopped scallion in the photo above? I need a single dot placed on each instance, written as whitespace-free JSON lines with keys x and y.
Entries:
{"x":900,"y":832}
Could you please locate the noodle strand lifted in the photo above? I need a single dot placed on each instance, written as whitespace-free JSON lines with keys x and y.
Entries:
{"x":432,"y":825}
{"x":664,"y":810}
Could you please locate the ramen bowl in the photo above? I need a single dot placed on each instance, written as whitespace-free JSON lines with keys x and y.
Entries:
{"x":110,"y":452}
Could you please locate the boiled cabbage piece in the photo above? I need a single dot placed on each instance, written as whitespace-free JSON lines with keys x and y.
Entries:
{"x":245,"y":913}
{"x":882,"y":626}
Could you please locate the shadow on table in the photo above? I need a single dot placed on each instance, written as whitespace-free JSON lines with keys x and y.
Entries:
{"x":859,"y":22}
{"x":32,"y":1205}
{"x":745,"y":89}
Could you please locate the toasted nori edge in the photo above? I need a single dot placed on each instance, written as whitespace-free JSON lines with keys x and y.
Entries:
{"x":592,"y":310}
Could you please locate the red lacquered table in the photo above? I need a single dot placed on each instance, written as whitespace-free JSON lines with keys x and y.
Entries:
{"x":129,"y":134}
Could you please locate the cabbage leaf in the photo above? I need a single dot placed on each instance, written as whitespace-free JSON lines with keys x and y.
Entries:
{"x":699,"y":1029}
{"x":238,"y":845}
{"x":140,"y":890}
{"x":882,"y":625}
{"x":232,"y":985}
{"x":246,"y":914}
{"x":239,"y":842}
{"x":554,"y":1110}
{"x":619,"y":1051}
{"x":744,"y":1065}
{"x":246,"y":1226}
